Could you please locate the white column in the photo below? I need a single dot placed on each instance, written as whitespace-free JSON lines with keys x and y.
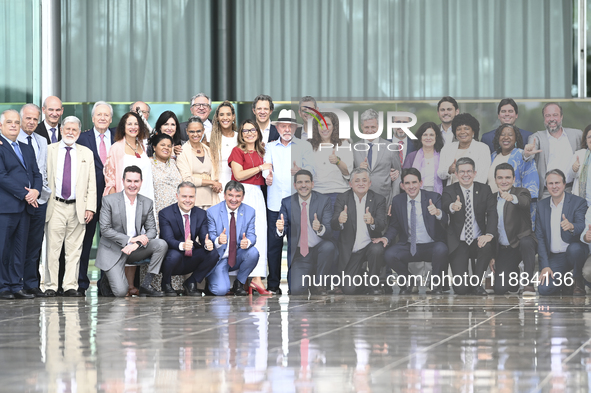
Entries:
{"x":50,"y":48}
{"x":582,"y":49}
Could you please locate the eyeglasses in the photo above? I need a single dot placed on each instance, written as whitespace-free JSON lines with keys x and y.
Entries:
{"x":465,"y":172}
{"x":200,"y":106}
{"x":249,"y":131}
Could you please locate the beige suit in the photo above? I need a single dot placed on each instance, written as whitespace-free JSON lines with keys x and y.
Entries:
{"x":66,"y":222}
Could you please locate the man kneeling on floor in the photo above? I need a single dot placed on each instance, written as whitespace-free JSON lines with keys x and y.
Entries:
{"x":123,"y":216}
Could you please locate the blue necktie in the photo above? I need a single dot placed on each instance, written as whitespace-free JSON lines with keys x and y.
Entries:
{"x":53,"y":136}
{"x":369,"y":155}
{"x":19,"y":154}
{"x":413,"y":228}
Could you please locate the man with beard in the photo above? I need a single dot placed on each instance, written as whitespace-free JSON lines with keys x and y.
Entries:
{"x":554,"y":147}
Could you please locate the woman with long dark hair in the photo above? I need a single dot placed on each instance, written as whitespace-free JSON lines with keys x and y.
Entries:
{"x":426,"y":157}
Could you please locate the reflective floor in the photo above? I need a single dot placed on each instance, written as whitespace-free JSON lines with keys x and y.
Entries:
{"x":293,"y":344}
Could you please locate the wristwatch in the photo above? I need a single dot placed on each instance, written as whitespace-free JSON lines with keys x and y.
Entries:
{"x":140,"y":245}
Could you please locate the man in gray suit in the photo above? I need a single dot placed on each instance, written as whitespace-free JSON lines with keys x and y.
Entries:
{"x":123,"y":215}
{"x":380,"y":157}
{"x":554,"y":147}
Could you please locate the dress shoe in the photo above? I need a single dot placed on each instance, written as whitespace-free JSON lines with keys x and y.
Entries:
{"x":60,"y":292}
{"x":579,"y":287}
{"x":405,"y":291}
{"x":238,"y":288}
{"x":478,"y":291}
{"x":335,"y":291}
{"x":149,"y":292}
{"x":445,"y":288}
{"x":435,"y":291}
{"x":388,"y":290}
{"x":23,"y":295}
{"x":72,"y":293}
{"x":36,"y":292}
{"x":82,"y":291}
{"x":529,"y":290}
{"x":318,"y":291}
{"x":274,"y":290}
{"x":50,"y":293}
{"x":191,"y":289}
{"x":5,"y":295}
{"x":376,"y":292}
{"x":168,"y":291}
{"x":568,"y":290}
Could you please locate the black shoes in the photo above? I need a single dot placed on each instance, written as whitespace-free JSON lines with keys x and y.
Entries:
{"x":376,"y":292}
{"x":238,"y":288}
{"x":168,"y":290}
{"x":36,"y":292}
{"x":405,"y":291}
{"x":50,"y":293}
{"x":318,"y":291}
{"x":6,"y":295}
{"x":191,"y":289}
{"x":275,"y":290}
{"x":478,"y":291}
{"x":149,"y":292}
{"x":23,"y":295}
{"x":435,"y":291}
{"x":72,"y":293}
{"x":579,"y":287}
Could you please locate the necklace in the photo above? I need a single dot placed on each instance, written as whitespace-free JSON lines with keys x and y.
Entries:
{"x":197,"y":149}
{"x":134,"y":149}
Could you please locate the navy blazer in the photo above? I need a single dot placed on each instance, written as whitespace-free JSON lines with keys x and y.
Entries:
{"x":14,"y":177}
{"x":318,"y":204}
{"x":273,"y":133}
{"x":88,"y":139}
{"x":574,"y":209}
{"x":172,"y":226}
{"x":399,"y":220}
{"x":44,"y":132}
{"x":490,"y":136}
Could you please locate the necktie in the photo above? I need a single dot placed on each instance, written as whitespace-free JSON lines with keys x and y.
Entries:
{"x":53,"y":136}
{"x":67,"y":178}
{"x":369,"y":155}
{"x":232,"y":249}
{"x":401,"y":152}
{"x":304,"y":231}
{"x":413,"y":228}
{"x":103,"y":149}
{"x":30,"y":140}
{"x":19,"y":154}
{"x":188,"y":253}
{"x":469,"y":220}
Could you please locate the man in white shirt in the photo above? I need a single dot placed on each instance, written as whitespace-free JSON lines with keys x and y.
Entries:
{"x":200,"y":107}
{"x":263,"y":107}
{"x":560,"y":221}
{"x":447,"y":109}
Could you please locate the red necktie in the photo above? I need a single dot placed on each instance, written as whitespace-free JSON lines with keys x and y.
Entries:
{"x":232,"y":249}
{"x":400,"y":152}
{"x":188,"y":253}
{"x":103,"y":149}
{"x":304,"y":231}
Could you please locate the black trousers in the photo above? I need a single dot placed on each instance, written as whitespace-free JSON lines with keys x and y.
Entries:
{"x":201,"y":263}
{"x":458,"y":260}
{"x":398,"y":257}
{"x":373,"y":253}
{"x":274,"y":249}
{"x":507,"y":262}
{"x":308,"y":271}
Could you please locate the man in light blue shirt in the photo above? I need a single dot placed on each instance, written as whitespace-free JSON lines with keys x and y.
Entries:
{"x":288,"y":155}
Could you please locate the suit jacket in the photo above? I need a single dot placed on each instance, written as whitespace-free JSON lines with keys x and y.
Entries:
{"x":217,"y":221}
{"x":484,"y":208}
{"x":489,"y":137}
{"x":14,"y":177}
{"x":399,"y":220}
{"x":573,"y":208}
{"x":44,"y":132}
{"x":113,"y":222}
{"x":380,"y":171}
{"x":318,"y":204}
{"x":517,"y":217}
{"x":87,"y":138}
{"x":172,"y":226}
{"x":540,"y":140}
{"x":377,"y":208}
{"x":410,"y":145}
{"x":85,"y":181}
{"x":273,"y":133}
{"x":41,"y":163}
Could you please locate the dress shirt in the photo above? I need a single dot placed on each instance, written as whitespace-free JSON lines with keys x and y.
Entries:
{"x":557,"y":245}
{"x":560,"y":154}
{"x":282,"y":158}
{"x":448,"y":135}
{"x":130,"y":216}
{"x":266,"y":132}
{"x":57,"y":131}
{"x":24,"y":138}
{"x":313,"y":236}
{"x":181,"y":244}
{"x":41,"y":163}
{"x":206,"y":130}
{"x":422,"y":234}
{"x":9,"y":143}
{"x":404,"y":146}
{"x":107,"y":139}
{"x":503,"y":239}
{"x":362,"y":238}
{"x":59,"y":171}
{"x":476,"y":230}
{"x":217,"y":241}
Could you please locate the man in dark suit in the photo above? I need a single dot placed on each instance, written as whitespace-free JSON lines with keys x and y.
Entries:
{"x":99,"y":140}
{"x":184,"y":228}
{"x":200,"y":107}
{"x":507,"y":112}
{"x":263,"y":107}
{"x":472,"y":209}
{"x":447,"y":109}
{"x":560,"y":220}
{"x":310,"y":249}
{"x":420,"y":224}
{"x":516,"y":238}
{"x":406,"y":145}
{"x":360,"y":215}
{"x":49,"y":128}
{"x":20,"y":186}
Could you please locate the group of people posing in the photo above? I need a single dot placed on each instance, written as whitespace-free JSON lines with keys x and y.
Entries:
{"x":204,"y":205}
